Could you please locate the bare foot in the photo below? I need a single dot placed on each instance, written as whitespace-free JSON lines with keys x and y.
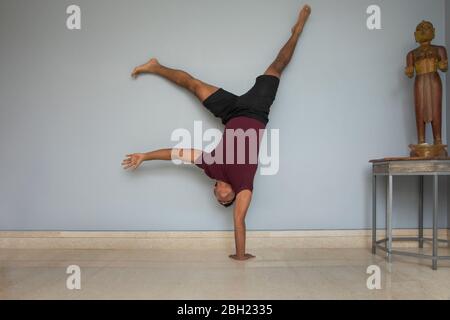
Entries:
{"x":245,"y":257}
{"x":302,"y":18}
{"x":148,"y":67}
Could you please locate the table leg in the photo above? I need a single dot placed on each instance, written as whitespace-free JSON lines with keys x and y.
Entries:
{"x":435,"y":219}
{"x":374,"y":214}
{"x":421,"y":187}
{"x":389,"y":200}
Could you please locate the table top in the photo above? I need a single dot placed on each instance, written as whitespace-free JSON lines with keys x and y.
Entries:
{"x":407,"y":159}
{"x":411,"y":166}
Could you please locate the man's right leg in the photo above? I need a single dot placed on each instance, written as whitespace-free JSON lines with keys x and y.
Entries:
{"x":286,"y":53}
{"x":181,"y":78}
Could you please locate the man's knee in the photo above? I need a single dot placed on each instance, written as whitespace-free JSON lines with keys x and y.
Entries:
{"x":273,"y":71}
{"x":202,"y":90}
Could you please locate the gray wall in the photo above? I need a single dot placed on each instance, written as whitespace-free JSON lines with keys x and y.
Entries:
{"x":69,"y":111}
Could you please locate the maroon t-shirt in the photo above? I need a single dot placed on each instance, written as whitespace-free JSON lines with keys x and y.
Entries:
{"x":235,"y":160}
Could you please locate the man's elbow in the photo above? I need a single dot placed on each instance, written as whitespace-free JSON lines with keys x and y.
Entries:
{"x":239,"y":223}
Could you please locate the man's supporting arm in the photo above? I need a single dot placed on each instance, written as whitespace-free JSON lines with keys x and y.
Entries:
{"x":243,"y":201}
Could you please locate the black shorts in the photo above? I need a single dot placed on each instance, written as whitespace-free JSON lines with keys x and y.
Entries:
{"x":254,"y":104}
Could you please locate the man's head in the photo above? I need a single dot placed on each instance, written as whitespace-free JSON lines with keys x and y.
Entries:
{"x":424,"y":32}
{"x":224,"y":193}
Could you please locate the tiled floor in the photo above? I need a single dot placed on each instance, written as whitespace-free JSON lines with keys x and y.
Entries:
{"x":210,"y":274}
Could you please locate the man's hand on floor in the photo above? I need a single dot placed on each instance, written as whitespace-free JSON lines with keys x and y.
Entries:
{"x":245,"y":257}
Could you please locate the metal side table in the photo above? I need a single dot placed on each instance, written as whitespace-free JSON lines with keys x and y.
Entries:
{"x":391,"y":167}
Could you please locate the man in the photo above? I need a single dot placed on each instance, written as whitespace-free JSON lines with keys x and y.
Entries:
{"x":234,"y":179}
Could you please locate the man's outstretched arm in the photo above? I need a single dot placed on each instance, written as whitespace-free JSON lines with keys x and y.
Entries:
{"x":133,"y":161}
{"x":243,"y":201}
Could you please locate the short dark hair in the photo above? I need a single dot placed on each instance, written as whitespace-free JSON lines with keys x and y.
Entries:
{"x":229,"y":204}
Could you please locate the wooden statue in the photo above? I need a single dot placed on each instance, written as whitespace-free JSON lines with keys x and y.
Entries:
{"x":425,"y":61}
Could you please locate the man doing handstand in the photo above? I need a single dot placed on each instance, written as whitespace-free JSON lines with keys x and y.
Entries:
{"x":234,"y":175}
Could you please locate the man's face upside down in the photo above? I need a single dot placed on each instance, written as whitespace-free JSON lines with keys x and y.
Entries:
{"x":224,"y":193}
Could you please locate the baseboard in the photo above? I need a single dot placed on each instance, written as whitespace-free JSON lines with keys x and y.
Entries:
{"x":199,"y":240}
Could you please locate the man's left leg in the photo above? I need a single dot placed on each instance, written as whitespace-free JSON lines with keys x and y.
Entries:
{"x":286,"y":53}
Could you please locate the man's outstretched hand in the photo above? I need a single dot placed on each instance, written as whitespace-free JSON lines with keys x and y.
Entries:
{"x":133,"y":161}
{"x":240,"y":258}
